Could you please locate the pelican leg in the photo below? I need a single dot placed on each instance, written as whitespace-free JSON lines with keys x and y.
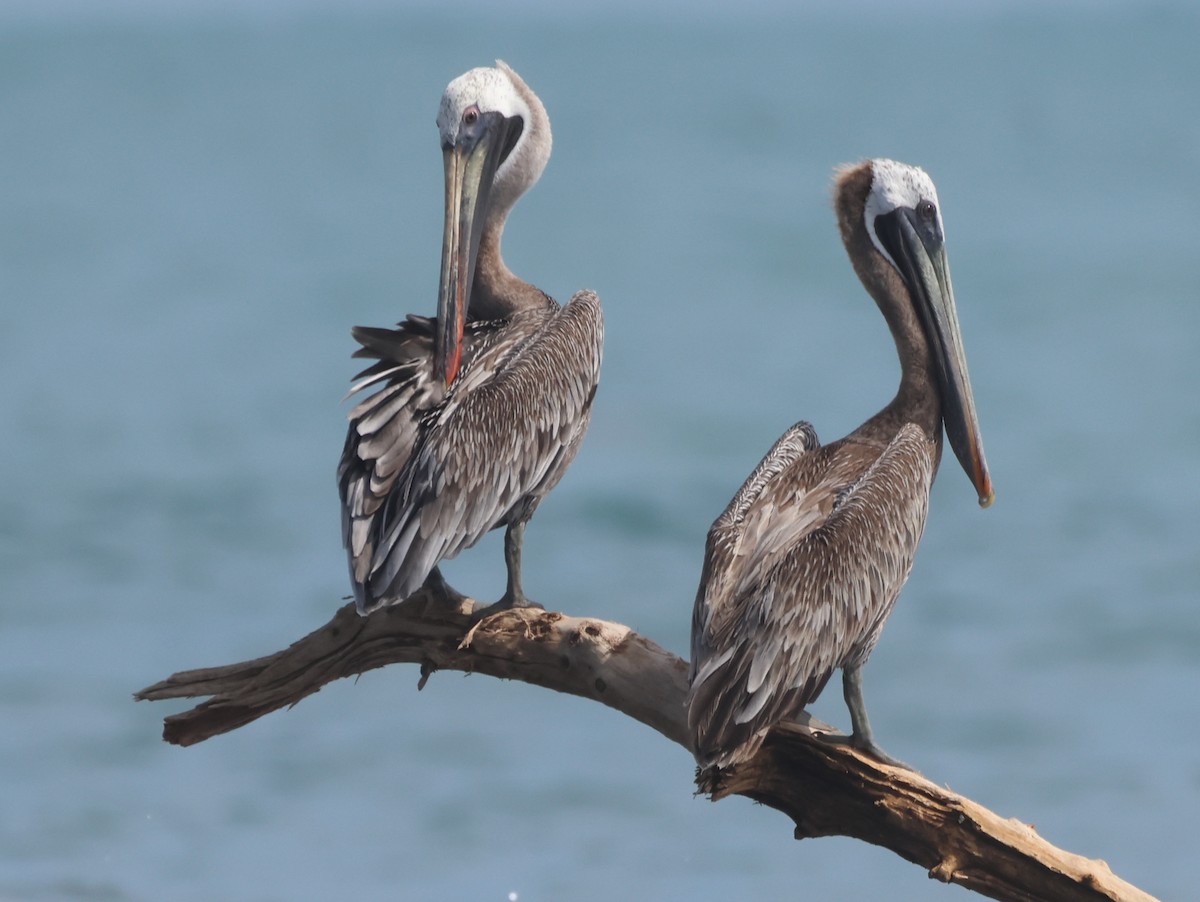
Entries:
{"x":861,"y":736}
{"x":514,"y":595}
{"x":436,"y":583}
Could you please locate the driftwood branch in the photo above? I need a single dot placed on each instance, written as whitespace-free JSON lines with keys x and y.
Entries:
{"x":826,"y":789}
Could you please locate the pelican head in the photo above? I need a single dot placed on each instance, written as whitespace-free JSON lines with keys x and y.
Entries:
{"x":904,"y":222}
{"x":495,"y":143}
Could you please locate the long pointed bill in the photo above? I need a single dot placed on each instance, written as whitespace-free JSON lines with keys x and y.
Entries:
{"x":470,"y":166}
{"x":927,"y":271}
{"x":458,"y":262}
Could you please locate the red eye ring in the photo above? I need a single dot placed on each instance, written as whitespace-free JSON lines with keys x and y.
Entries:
{"x":470,"y":115}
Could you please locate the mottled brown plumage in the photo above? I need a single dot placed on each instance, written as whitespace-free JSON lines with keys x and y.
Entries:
{"x":468,"y":429}
{"x":804,"y":565}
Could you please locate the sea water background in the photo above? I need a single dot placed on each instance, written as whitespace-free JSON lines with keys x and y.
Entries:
{"x":198,"y":201}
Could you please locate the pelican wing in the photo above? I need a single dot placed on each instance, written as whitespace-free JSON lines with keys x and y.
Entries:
{"x":800,"y":573}
{"x":426,"y":474}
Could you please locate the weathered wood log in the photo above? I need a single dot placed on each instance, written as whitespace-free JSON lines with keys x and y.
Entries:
{"x":826,"y":789}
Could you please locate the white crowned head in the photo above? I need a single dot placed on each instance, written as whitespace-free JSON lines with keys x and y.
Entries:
{"x":500,"y":90}
{"x":898,"y":186}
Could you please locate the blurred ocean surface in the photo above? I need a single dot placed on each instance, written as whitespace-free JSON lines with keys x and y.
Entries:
{"x":196,"y":205}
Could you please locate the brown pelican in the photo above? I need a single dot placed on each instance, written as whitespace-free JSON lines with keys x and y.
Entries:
{"x":479,"y":412}
{"x":803,"y":567}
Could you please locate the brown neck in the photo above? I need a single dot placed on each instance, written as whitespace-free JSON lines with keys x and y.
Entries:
{"x":497,"y":293}
{"x":918,"y":399}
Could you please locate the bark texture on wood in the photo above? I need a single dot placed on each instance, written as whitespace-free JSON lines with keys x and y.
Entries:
{"x":826,"y":789}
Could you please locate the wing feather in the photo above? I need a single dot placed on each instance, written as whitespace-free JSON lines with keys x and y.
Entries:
{"x":427,"y":473}
{"x":800,"y":573}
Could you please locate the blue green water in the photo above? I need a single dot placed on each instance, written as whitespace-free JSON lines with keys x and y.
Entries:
{"x":196,"y":205}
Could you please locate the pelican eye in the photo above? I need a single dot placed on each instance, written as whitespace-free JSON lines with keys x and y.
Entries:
{"x":927,"y":211}
{"x":470,"y":115}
